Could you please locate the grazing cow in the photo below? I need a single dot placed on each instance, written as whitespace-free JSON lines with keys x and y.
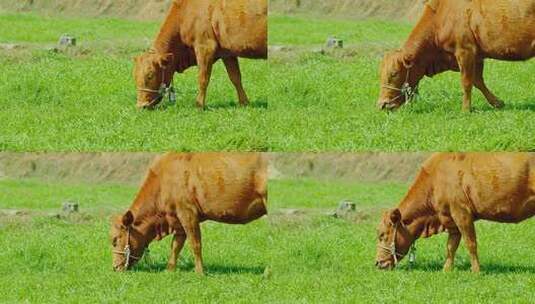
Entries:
{"x":451,"y":191}
{"x":199,"y":32}
{"x":182,"y":190}
{"x":458,"y":35}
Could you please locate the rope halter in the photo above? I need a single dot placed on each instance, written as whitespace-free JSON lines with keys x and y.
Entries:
{"x":163,"y":91}
{"x":392,"y":250}
{"x":126,"y":252}
{"x":406,"y":90}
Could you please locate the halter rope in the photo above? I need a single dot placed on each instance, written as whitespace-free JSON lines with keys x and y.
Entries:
{"x":164,"y":90}
{"x":392,"y":249}
{"x":126,"y":251}
{"x":406,"y":90}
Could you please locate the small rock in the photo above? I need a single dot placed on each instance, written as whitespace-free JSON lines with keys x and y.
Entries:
{"x":344,"y":208}
{"x":67,"y":40}
{"x":333,"y":42}
{"x":70,"y":207}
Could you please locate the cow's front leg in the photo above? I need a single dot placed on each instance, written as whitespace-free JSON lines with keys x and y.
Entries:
{"x":205,"y":59}
{"x":190,"y":221}
{"x":465,"y":222}
{"x":454,"y":238}
{"x":466,"y":61}
{"x":480,"y":84}
{"x":176,"y":246}
{"x":233,"y":70}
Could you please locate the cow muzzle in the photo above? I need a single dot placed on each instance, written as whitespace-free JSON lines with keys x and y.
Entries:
{"x":384,"y":265}
{"x":387,"y":105}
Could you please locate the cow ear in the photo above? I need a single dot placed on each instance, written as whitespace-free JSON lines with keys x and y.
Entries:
{"x":166,"y":59}
{"x":128,"y":218}
{"x":395,"y":216}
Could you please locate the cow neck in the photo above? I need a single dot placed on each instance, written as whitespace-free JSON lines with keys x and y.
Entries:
{"x":148,"y":218}
{"x":168,"y":39}
{"x":420,"y":47}
{"x":416,"y":208}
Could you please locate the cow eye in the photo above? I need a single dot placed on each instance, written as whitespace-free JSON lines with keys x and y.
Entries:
{"x":393,"y":74}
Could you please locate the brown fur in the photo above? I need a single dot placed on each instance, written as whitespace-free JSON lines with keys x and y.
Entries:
{"x":182,"y":190}
{"x":451,"y":192}
{"x":458,"y":35}
{"x":199,"y":33}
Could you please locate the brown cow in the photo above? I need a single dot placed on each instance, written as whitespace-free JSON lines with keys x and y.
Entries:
{"x":451,"y":191}
{"x":199,"y":32}
{"x":181,"y":191}
{"x":458,"y":35}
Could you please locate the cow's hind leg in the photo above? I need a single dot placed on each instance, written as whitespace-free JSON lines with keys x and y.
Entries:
{"x":205,"y":60}
{"x":233,"y":70}
{"x":480,"y":84}
{"x":466,"y":61}
{"x":464,"y":221}
{"x":176,"y":246}
{"x":454,"y":238}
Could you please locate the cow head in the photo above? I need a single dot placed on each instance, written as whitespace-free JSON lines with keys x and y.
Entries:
{"x":393,"y":240}
{"x":151,"y":71}
{"x":128,"y":241}
{"x":396,"y":80}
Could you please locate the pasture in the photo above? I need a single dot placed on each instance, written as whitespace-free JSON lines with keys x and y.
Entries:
{"x":83,"y":98}
{"x":326,"y":102}
{"x":310,"y":257}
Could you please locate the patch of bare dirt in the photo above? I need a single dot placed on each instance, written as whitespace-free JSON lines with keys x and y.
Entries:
{"x":369,"y":167}
{"x":156,"y":9}
{"x":131,"y":9}
{"x":124,"y":168}
{"x":383,"y":9}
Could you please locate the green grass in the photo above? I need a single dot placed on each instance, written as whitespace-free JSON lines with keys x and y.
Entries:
{"x":313,"y":258}
{"x":84,"y":99}
{"x":327,"y":102}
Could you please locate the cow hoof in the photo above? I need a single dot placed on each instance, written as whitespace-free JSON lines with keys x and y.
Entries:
{"x":171,"y":267}
{"x":498,"y":104}
{"x":475,"y":269}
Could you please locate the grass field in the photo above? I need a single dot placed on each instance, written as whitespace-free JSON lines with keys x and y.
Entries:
{"x":327,"y":102}
{"x":311,"y":257}
{"x":83,"y":99}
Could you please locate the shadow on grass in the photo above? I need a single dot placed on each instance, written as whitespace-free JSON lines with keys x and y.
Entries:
{"x":256,"y":104}
{"x":210,"y":269}
{"x":487,"y":268}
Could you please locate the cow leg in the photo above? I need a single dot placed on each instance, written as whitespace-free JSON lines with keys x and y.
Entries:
{"x":176,"y":246}
{"x":464,"y":221}
{"x":466,"y":61}
{"x":480,"y":84}
{"x":205,"y":60}
{"x":454,"y":238}
{"x":233,"y":70}
{"x":192,"y":227}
